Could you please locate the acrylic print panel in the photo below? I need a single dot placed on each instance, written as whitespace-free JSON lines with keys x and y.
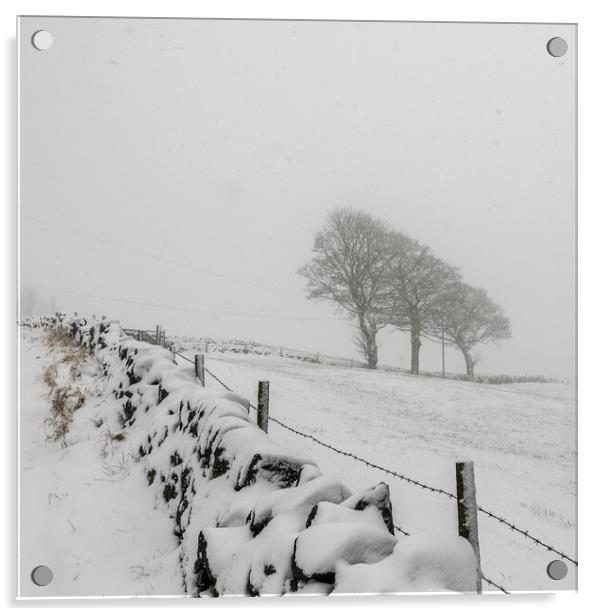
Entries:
{"x":297,"y":307}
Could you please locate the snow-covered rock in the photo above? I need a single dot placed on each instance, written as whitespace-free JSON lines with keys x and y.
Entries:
{"x":418,"y":563}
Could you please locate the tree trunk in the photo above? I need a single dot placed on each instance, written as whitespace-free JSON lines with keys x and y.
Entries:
{"x":368,"y":343}
{"x":373,"y":357}
{"x":469,"y":364}
{"x":416,"y":344}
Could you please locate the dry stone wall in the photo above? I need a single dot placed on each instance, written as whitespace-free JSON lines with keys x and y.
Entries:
{"x":250,"y":517}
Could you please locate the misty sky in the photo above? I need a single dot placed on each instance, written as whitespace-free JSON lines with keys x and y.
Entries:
{"x":220,"y":146}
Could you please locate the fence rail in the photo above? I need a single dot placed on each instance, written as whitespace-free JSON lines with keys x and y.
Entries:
{"x":401,"y":476}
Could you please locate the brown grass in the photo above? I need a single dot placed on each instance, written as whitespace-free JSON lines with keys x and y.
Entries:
{"x":64,"y":402}
{"x":66,"y":349}
{"x":56,"y":337}
{"x":49,"y":376}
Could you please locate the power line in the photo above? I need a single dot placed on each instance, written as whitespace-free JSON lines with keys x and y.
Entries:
{"x":145,"y":253}
{"x":219,"y":313}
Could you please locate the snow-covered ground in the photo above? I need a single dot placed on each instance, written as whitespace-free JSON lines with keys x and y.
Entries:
{"x":522,"y":439}
{"x":85,"y":510}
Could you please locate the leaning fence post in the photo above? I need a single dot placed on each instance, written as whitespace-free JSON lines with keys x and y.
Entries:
{"x":263,"y":405}
{"x":467,"y":511}
{"x":199,"y":368}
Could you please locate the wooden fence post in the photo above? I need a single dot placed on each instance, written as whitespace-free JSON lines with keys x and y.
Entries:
{"x":206,"y":346}
{"x":172,"y":348}
{"x":140,"y":335}
{"x":199,"y":368}
{"x":467,"y":511}
{"x":263,"y":405}
{"x":158,"y":335}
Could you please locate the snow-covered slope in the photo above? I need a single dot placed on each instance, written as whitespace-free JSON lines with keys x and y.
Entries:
{"x":522,"y":438}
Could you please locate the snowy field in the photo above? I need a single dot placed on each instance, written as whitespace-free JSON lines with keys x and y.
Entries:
{"x":87,"y":513}
{"x":521,"y":437}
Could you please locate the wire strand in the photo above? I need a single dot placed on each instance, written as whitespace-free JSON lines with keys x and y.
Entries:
{"x":146,"y":253}
{"x":494,"y":584}
{"x":187,"y":309}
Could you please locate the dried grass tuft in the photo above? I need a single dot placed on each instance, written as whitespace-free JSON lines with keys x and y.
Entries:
{"x":65,"y":398}
{"x":64,"y":402}
{"x":57,"y":337}
{"x":50,"y":375}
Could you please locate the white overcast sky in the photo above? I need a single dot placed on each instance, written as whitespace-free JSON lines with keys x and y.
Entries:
{"x":220,"y":146}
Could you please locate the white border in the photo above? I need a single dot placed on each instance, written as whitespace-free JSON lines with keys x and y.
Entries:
{"x":587,"y":14}
{"x":18,"y":308}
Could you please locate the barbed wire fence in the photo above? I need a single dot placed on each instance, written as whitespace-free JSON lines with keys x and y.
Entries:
{"x":401,"y":476}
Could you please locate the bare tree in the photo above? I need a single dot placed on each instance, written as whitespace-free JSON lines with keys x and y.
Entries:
{"x":471,"y":317}
{"x":31,"y":303}
{"x":349,"y":268}
{"x":419,"y":282}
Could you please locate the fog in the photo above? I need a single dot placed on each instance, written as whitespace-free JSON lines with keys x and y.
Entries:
{"x":176,"y":171}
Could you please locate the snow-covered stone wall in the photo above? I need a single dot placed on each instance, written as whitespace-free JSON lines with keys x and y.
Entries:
{"x":250,"y":518}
